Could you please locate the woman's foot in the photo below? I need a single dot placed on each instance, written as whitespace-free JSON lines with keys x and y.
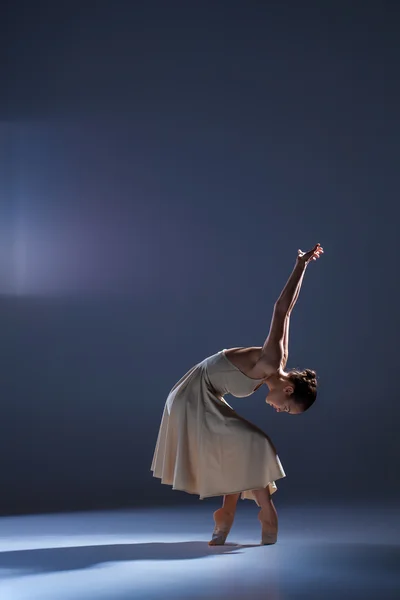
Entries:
{"x":223,"y":523}
{"x":269,"y":527}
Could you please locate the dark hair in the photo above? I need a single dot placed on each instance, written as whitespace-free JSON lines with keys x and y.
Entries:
{"x":305,"y":387}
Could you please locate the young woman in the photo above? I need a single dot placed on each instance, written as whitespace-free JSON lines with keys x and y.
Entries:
{"x":204,"y":447}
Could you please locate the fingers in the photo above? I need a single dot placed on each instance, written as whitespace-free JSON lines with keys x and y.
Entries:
{"x":317,"y":248}
{"x":317,"y":252}
{"x":311,"y":254}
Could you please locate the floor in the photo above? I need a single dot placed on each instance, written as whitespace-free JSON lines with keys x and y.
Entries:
{"x":322,"y":554}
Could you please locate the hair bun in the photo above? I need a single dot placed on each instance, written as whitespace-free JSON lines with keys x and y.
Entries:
{"x":310,"y":375}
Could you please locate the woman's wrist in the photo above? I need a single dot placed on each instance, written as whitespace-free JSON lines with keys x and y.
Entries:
{"x":301,"y":265}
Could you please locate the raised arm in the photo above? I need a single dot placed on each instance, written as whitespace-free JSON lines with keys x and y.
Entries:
{"x":287,"y":323}
{"x":273,"y":351}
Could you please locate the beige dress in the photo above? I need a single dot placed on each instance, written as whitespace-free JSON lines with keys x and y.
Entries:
{"x":204,"y":447}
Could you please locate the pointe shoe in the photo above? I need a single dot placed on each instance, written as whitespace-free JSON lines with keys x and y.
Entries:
{"x":269,"y":535}
{"x":223,"y":524}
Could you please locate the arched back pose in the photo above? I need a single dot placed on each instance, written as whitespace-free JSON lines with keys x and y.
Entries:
{"x":204,"y":447}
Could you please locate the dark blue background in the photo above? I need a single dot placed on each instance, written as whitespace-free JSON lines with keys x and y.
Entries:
{"x":161,"y":163}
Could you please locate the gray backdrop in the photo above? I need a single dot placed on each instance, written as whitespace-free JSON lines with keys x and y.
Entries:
{"x":161,"y":163}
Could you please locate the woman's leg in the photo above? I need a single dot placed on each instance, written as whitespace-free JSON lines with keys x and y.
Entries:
{"x":223,"y":518}
{"x":230,"y":502}
{"x":267,"y":516}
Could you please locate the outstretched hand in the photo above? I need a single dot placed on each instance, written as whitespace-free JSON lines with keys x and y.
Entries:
{"x":305,"y":257}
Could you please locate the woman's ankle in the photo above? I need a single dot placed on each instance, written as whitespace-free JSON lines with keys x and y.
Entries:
{"x":223,"y":512}
{"x":268,"y":519}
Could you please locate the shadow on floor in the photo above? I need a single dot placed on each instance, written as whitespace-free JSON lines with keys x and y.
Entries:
{"x":84,"y":557}
{"x":369,"y":566}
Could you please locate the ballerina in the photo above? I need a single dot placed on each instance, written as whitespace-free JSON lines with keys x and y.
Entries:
{"x":205,"y":447}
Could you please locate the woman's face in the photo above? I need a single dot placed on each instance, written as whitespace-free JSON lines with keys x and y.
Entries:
{"x":281,"y":400}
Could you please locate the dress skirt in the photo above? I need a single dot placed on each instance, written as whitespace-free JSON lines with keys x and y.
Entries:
{"x":204,"y":447}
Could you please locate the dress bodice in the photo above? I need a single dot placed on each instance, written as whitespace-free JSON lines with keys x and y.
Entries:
{"x":226,"y":378}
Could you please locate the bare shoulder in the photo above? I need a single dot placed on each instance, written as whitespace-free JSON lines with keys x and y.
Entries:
{"x":248,"y":360}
